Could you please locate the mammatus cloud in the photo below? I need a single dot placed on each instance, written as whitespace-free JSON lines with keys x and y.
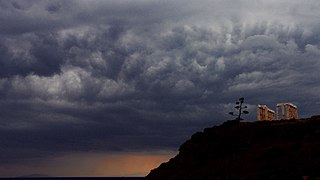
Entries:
{"x":81,"y":76}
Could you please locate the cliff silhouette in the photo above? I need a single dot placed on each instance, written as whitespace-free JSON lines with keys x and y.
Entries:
{"x":285,"y":149}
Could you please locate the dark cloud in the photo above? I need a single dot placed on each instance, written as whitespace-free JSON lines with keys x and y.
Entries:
{"x":82,"y":76}
{"x":37,"y":53}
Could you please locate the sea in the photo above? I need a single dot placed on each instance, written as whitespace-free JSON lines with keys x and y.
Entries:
{"x":74,"y":178}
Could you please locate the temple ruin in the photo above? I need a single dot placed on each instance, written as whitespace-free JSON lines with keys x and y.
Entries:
{"x":264,"y":113}
{"x":288,"y":111}
{"x":284,"y":111}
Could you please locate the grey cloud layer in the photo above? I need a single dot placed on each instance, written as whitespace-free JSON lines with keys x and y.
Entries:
{"x":124,"y":75}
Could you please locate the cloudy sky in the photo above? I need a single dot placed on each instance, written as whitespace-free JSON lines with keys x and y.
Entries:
{"x":113,"y":87}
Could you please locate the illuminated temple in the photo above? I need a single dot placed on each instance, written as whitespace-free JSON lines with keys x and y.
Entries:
{"x":264,"y":113}
{"x":283,"y":111}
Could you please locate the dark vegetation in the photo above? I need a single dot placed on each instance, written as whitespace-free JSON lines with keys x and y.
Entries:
{"x":285,"y":149}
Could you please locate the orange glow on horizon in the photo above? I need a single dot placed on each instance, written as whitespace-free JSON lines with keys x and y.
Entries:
{"x":130,"y":165}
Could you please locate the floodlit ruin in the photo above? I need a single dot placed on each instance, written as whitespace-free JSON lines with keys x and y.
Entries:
{"x":264,"y":113}
{"x":284,"y":111}
{"x":288,"y":111}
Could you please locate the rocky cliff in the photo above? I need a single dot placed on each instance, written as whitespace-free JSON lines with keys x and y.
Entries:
{"x":286,"y":149}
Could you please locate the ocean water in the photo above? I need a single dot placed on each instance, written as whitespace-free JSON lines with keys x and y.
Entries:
{"x":74,"y":178}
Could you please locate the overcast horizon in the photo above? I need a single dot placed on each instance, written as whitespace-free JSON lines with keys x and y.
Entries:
{"x":114,"y":87}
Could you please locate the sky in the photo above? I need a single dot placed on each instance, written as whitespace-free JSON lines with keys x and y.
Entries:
{"x":114,"y":87}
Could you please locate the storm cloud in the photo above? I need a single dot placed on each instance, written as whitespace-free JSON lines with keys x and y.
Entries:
{"x":117,"y":76}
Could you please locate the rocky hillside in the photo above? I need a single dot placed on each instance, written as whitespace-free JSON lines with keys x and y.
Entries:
{"x":286,"y":149}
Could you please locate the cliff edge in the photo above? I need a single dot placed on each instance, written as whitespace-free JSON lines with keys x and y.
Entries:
{"x":285,"y":149}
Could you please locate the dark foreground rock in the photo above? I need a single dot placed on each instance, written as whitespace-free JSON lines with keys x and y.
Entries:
{"x":286,"y":149}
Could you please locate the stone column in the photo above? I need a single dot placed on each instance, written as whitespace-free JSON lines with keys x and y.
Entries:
{"x":283,"y":111}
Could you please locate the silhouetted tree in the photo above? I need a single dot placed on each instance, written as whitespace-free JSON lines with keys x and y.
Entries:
{"x":240,"y":109}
